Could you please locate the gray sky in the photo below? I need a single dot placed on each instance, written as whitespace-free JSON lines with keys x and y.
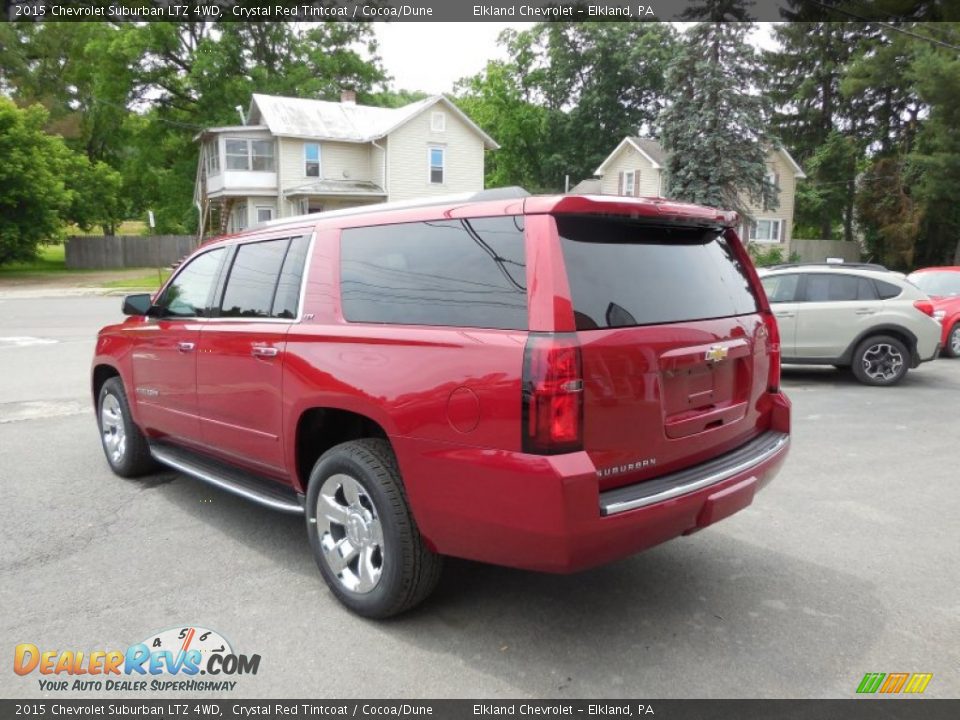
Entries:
{"x":432,"y":56}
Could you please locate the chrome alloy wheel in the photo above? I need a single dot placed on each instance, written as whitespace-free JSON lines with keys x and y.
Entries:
{"x":112,"y":428}
{"x":350,"y":532}
{"x":955,"y":341}
{"x":882,"y":362}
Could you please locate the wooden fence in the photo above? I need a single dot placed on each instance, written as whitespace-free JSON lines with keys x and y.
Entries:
{"x":97,"y":252}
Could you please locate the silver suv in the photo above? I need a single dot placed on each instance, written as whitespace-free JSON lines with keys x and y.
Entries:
{"x":870,"y":320}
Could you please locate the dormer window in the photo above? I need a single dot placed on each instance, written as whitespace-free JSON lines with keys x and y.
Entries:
{"x":438,"y":122}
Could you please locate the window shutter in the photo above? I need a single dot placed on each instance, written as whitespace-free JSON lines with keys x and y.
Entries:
{"x":636,"y":182}
{"x":620,"y":183}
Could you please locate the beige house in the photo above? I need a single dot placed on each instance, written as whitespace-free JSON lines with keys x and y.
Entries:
{"x":294,"y":156}
{"x":636,"y":167}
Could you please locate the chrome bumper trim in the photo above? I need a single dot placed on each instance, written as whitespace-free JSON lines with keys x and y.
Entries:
{"x":682,"y":482}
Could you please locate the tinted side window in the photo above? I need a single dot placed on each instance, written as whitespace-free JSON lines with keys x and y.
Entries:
{"x":287,"y":298}
{"x":188,"y":293}
{"x":625,"y":273}
{"x":253,"y":279}
{"x":887,"y":290}
{"x":781,"y":288}
{"x":838,"y":287}
{"x":465,"y":273}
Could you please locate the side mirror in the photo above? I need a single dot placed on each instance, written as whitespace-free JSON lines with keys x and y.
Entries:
{"x":138,"y":304}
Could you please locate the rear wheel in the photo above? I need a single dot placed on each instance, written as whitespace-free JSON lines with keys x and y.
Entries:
{"x":124,"y":445}
{"x":364,"y":538}
{"x":881,"y":360}
{"x":953,"y":342}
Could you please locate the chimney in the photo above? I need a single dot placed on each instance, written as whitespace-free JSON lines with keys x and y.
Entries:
{"x":348,"y":97}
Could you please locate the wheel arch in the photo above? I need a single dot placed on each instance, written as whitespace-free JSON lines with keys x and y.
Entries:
{"x":320,"y":427}
{"x":101,"y":373}
{"x":898,"y":331}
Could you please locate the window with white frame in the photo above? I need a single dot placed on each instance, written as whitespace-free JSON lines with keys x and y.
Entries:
{"x":629,"y":182}
{"x":311,"y":159}
{"x":766,"y":230}
{"x":264,"y":213}
{"x":245,"y":154}
{"x":438,"y":122}
{"x":212,"y":159}
{"x":436,"y":157}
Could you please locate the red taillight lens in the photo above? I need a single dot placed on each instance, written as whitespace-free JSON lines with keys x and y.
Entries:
{"x":924,"y":306}
{"x":773,"y":343}
{"x":552,"y":395}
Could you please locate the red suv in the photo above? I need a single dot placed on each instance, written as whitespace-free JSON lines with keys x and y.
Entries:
{"x":548,"y":383}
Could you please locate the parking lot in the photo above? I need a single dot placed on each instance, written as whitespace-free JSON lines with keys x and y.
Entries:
{"x":846,"y":564}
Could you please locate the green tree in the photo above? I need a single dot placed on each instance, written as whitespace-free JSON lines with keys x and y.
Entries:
{"x":813,"y":119}
{"x":494,"y":100}
{"x":715,"y":129}
{"x":935,"y":155}
{"x":33,"y":196}
{"x":591,"y":83}
{"x":97,"y":192}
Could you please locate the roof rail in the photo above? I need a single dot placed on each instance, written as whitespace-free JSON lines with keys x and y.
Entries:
{"x":835,"y":265}
{"x":504,"y":193}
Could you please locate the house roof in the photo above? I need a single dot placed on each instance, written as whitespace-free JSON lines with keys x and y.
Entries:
{"x":590,"y":186}
{"x":649,"y":148}
{"x":344,"y":122}
{"x":653,"y":151}
{"x":337,"y":187}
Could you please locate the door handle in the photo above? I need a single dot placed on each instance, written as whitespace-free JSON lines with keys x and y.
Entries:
{"x":263,"y":351}
{"x":866,"y":311}
{"x":784,"y":314}
{"x":186,"y":346}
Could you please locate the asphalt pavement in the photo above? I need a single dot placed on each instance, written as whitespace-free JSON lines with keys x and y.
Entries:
{"x":845,"y":564}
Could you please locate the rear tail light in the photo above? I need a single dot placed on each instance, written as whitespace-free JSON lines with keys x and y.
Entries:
{"x":773,"y":343}
{"x":939,"y":315}
{"x":924,"y":306}
{"x":552,"y":395}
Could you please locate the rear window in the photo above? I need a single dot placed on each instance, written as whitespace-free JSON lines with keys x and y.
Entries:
{"x":463,"y":273}
{"x":624,"y":273}
{"x":940,"y":283}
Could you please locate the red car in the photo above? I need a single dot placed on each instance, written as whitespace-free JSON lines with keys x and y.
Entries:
{"x":942,"y":284}
{"x":548,"y":383}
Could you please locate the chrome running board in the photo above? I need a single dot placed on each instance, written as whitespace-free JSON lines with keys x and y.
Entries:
{"x":239,"y":482}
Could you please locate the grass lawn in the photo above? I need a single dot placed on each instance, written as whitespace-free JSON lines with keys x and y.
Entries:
{"x":51,"y":264}
{"x":50,"y":259}
{"x":148,"y":281}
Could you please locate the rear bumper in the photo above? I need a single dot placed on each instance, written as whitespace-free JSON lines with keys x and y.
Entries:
{"x":547,"y":513}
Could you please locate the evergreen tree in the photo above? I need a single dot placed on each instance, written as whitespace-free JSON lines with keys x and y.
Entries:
{"x":716,"y":126}
{"x":814,"y":119}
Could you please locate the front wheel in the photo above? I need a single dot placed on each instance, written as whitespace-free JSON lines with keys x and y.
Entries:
{"x":953,"y":342}
{"x":880,"y":360}
{"x":123,"y":443}
{"x":363,"y":536}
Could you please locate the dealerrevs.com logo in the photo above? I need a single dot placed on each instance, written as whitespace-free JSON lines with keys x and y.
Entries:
{"x":166,"y":661}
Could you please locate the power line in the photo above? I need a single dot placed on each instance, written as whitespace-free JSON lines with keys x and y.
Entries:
{"x":889,"y":26}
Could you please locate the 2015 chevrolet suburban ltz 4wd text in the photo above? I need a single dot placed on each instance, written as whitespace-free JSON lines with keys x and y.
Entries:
{"x":548,"y":383}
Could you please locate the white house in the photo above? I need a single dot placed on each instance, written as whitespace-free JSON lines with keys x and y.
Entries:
{"x":294,"y":156}
{"x":637,"y":165}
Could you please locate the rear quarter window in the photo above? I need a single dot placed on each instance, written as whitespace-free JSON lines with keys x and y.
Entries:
{"x":624,"y":273}
{"x":462,"y":273}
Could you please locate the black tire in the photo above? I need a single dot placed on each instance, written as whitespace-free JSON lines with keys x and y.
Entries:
{"x":406,"y":570}
{"x":952,"y":348}
{"x":881,"y":360}
{"x":133,"y":459}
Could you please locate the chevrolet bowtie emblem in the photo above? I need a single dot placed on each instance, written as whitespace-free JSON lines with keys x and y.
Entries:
{"x":716,"y":353}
